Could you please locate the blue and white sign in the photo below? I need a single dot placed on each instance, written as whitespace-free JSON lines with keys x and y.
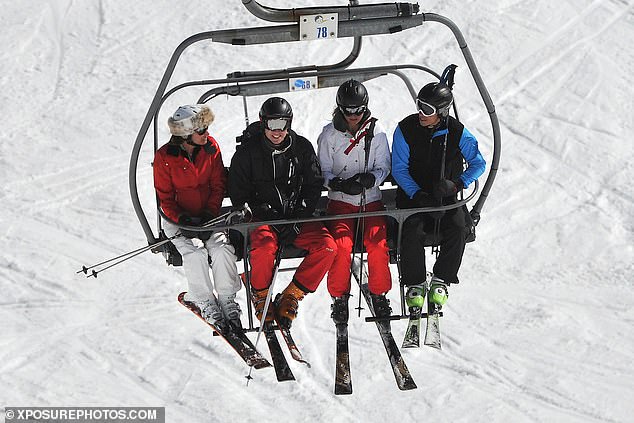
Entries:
{"x":303,"y":84}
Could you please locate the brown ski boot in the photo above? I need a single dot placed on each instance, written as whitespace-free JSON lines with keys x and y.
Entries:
{"x":287,"y":303}
{"x":259,"y":299}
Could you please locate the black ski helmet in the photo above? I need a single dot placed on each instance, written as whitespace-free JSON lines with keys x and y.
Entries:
{"x":352,"y":93}
{"x":276,"y":107}
{"x":438,"y":95}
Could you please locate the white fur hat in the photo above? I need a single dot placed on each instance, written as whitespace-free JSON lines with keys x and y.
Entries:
{"x":189,"y":118}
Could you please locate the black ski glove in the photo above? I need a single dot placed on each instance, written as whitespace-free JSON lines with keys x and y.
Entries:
{"x":302,"y":212}
{"x":366,"y":179}
{"x":265,"y":212}
{"x":206,"y":215}
{"x":348,"y":186}
{"x":187,"y":220}
{"x":286,"y":234}
{"x":446,"y":188}
{"x":425,"y":200}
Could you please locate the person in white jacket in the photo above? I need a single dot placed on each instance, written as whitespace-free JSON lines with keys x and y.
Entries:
{"x":355,"y":159}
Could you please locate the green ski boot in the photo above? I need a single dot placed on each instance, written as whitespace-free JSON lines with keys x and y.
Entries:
{"x":415,"y":296}
{"x":438,"y":291}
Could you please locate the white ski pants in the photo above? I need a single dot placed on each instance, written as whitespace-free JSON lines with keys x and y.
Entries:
{"x":196,"y":265}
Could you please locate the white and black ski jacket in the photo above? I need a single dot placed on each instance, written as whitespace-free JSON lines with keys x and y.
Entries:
{"x":342,"y":155}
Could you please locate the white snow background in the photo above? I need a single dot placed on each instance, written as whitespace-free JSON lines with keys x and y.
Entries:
{"x":540,"y":327}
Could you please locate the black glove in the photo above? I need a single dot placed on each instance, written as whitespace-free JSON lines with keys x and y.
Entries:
{"x":366,"y":179}
{"x":425,"y":200}
{"x":206,"y":215}
{"x":446,"y":188}
{"x":187,"y":220}
{"x":302,"y":212}
{"x":348,"y":186}
{"x":265,"y":212}
{"x":286,"y":234}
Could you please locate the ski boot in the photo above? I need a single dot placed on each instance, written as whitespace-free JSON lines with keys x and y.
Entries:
{"x":381,"y":305}
{"x":259,"y":299}
{"x":415,"y":296}
{"x":210,"y":311}
{"x":339,"y":308}
{"x":438,"y":291}
{"x":230,"y":309}
{"x":287,"y":303}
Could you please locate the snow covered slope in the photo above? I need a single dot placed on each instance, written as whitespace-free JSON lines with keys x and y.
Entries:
{"x":540,"y":328}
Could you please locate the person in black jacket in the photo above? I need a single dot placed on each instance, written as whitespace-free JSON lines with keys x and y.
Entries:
{"x":276,"y":172}
{"x":428,"y":151}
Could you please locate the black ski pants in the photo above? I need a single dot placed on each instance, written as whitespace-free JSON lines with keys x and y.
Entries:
{"x":416,"y":230}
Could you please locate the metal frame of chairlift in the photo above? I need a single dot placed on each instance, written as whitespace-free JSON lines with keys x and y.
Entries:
{"x":353,"y":21}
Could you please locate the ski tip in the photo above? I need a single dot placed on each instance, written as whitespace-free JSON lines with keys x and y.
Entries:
{"x":434,"y":344}
{"x":410,"y":346}
{"x":408,"y":386}
{"x":262,"y":366}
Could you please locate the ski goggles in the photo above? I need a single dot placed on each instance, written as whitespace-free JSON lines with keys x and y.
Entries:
{"x":201,"y":131}
{"x":428,"y":110}
{"x":277,"y":124}
{"x":349,"y":111}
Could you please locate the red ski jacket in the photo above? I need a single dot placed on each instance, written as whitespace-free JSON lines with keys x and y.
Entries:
{"x":189,"y":187}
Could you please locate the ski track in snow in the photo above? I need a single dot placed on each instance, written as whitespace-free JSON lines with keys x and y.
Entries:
{"x":538,"y":330}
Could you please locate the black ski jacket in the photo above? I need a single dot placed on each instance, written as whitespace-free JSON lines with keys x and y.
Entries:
{"x":287,"y":177}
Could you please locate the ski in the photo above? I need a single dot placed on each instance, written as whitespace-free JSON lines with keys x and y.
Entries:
{"x":292,"y":346}
{"x":432,"y":332}
{"x":236,"y":339}
{"x":282,"y":370}
{"x":403,"y":377}
{"x":412,"y":334}
{"x":343,"y":379}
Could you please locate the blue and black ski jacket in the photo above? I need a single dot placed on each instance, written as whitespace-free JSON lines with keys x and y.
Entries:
{"x":417,"y":154}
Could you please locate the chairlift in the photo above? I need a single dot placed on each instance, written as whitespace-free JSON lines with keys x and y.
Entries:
{"x":306,"y":24}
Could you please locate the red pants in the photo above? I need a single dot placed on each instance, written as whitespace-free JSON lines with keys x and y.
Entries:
{"x":313,"y":237}
{"x":374,"y":238}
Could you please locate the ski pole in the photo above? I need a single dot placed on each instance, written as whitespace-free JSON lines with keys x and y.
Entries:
{"x":368,"y":141}
{"x":124,"y":257}
{"x":242,"y":212}
{"x":267,"y":303}
{"x":362,"y":225}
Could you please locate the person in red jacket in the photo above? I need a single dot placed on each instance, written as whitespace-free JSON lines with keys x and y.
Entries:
{"x":190,"y":182}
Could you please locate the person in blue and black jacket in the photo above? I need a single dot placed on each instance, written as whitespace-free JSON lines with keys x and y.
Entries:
{"x":428,"y":152}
